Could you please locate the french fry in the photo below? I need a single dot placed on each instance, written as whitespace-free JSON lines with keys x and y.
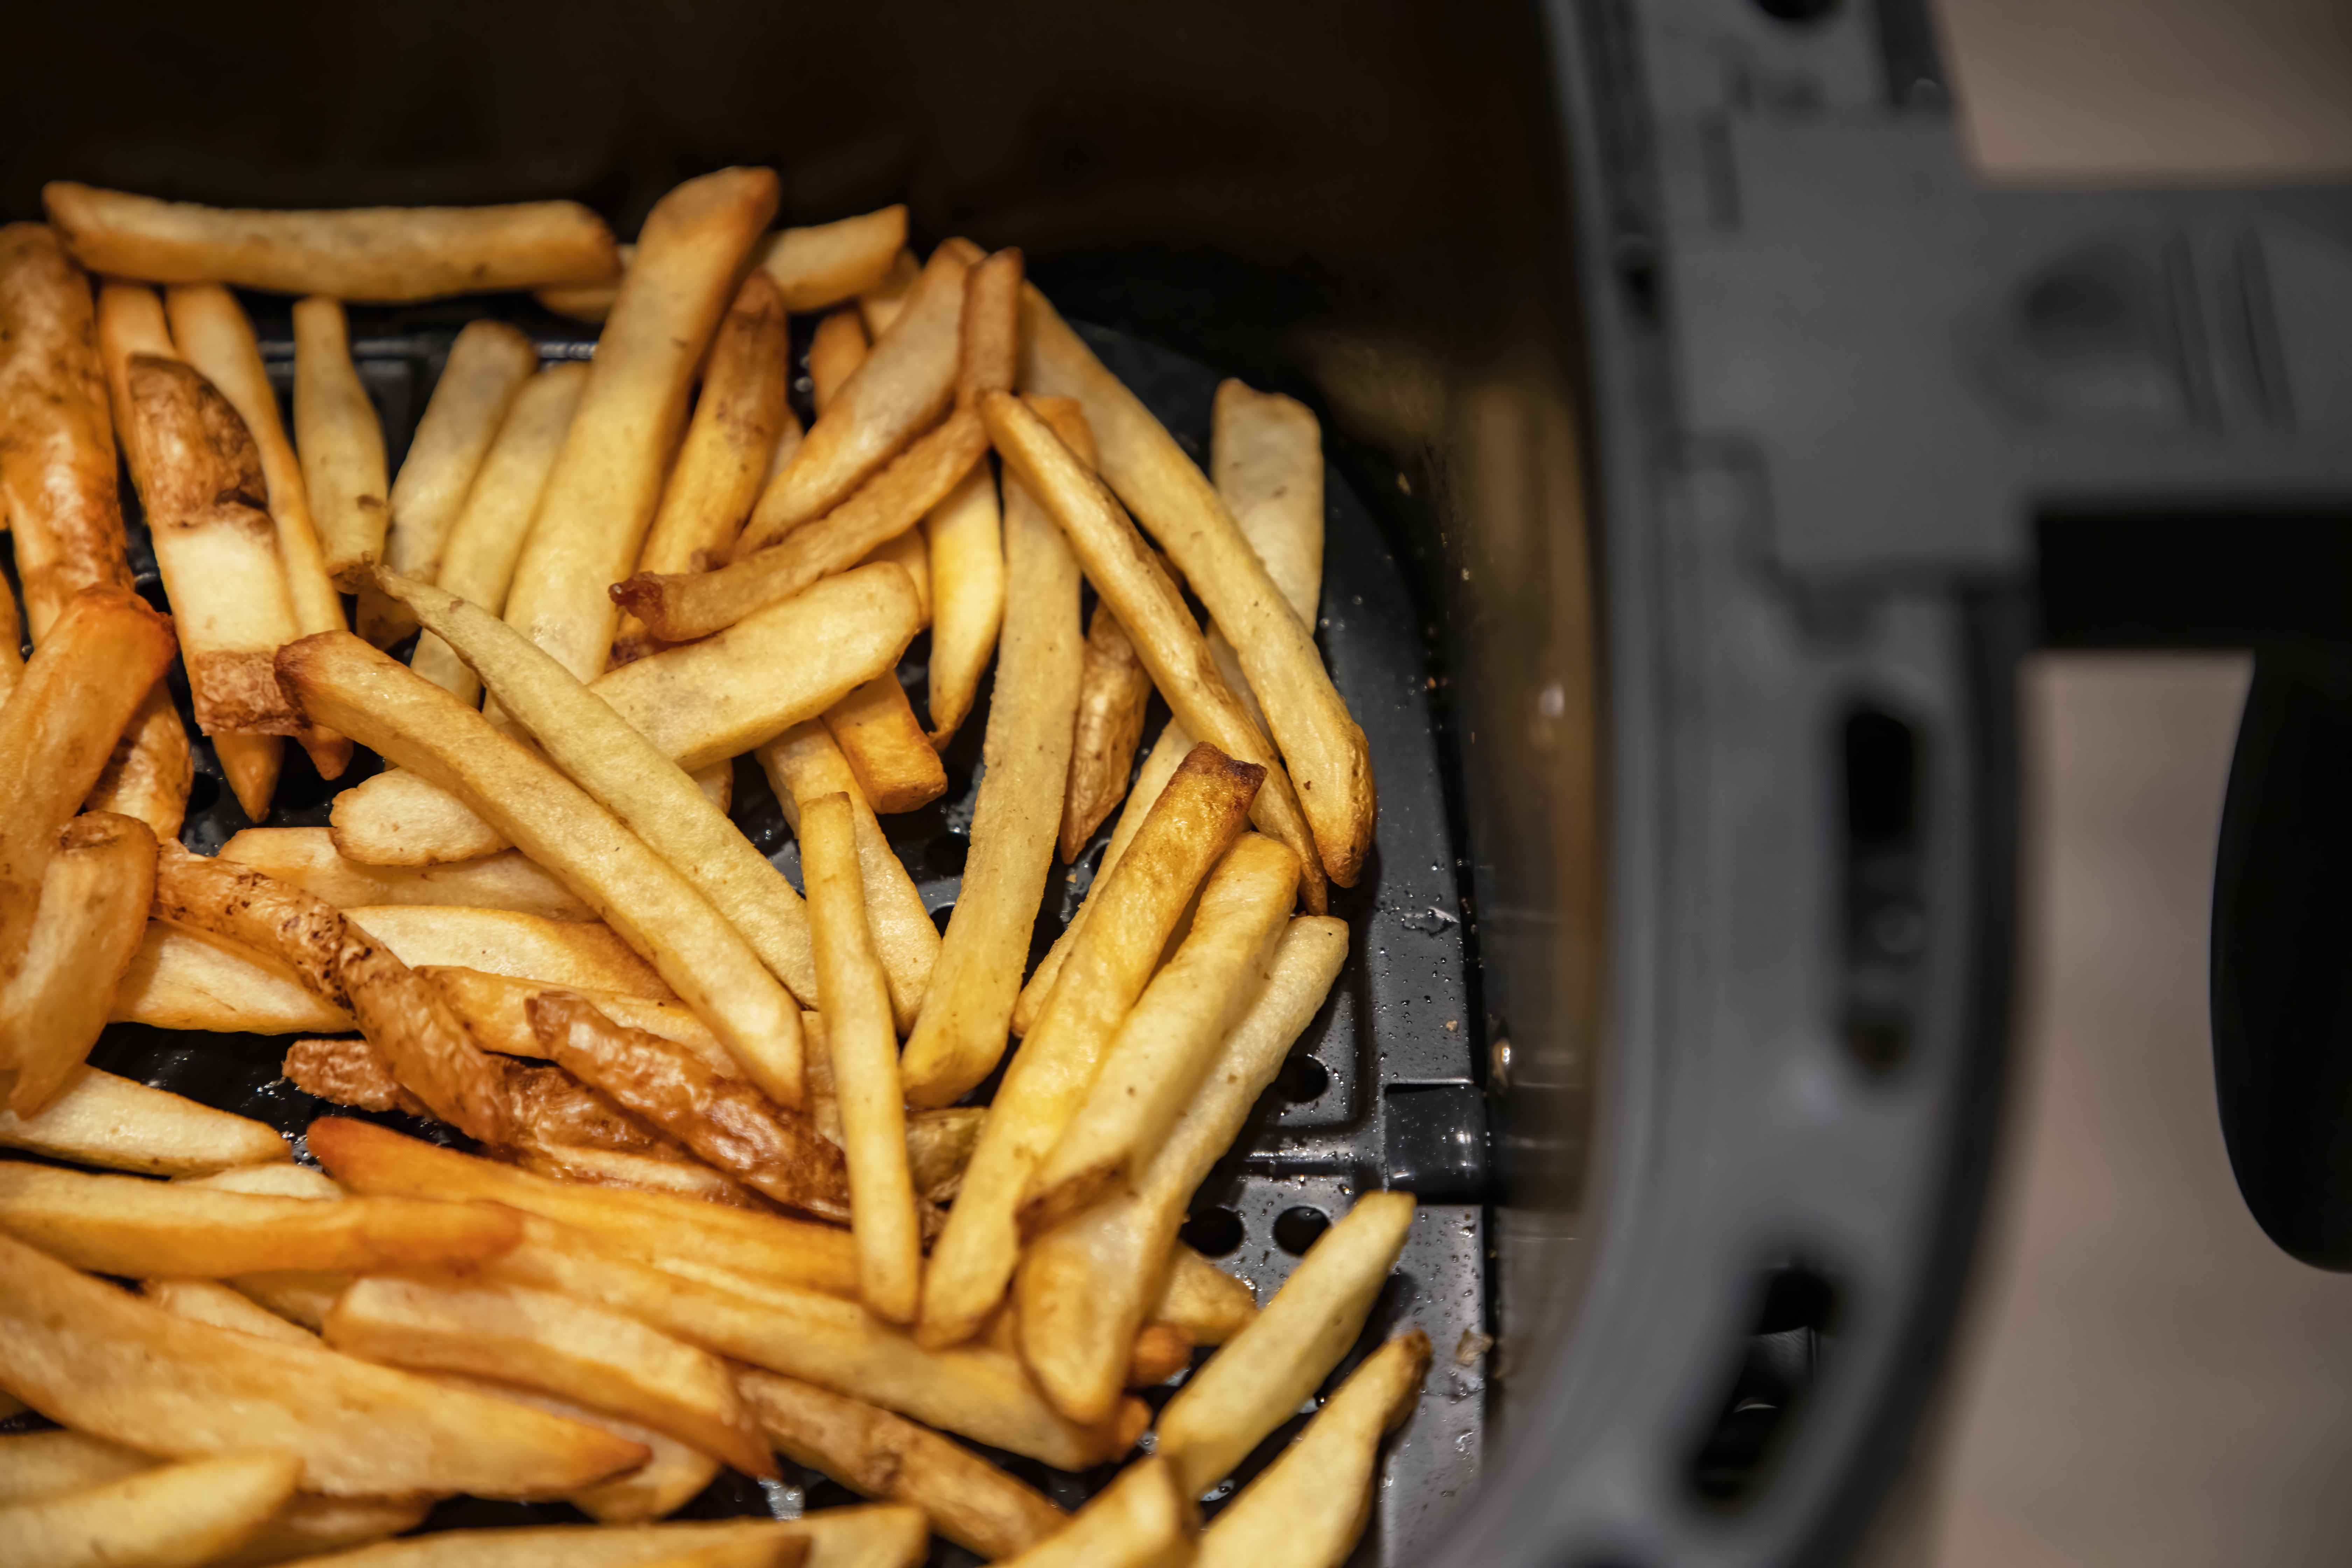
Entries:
{"x":280,"y":1180}
{"x":478,"y":559}
{"x":680,"y":1235}
{"x":1087,"y":1285}
{"x":209,"y":329}
{"x":834,"y":1537}
{"x":914,"y":557}
{"x":1167,"y":754}
{"x":568,"y":1348}
{"x":78,"y":691}
{"x":310,"y":1525}
{"x":1112,"y":692}
{"x":1210,"y":1305}
{"x":881,"y":303}
{"x":1166,"y":1044}
{"x":639,"y":1173}
{"x":589,"y":302}
{"x":207,"y":1301}
{"x":12,"y":642}
{"x":99,"y":1119}
{"x":1144,"y":1518}
{"x":103,"y":1362}
{"x":601,"y":495}
{"x":1196,"y":821}
{"x":803,"y":763}
{"x":151,"y":770}
{"x":938,"y":1146}
{"x":36,"y":1464}
{"x":487,"y":367}
{"x":650,"y":794}
{"x":967,"y":559}
{"x":298,"y":1297}
{"x":1161,"y":1351}
{"x":863,"y":1049}
{"x":397,"y":818}
{"x":722,"y":1118}
{"x":192,"y":980}
{"x":86,"y":929}
{"x":884,"y":743}
{"x":176,"y":1516}
{"x":1027,"y":752}
{"x":503,"y":942}
{"x":389,"y":254}
{"x":829,"y":262}
{"x":1255,"y":1383}
{"x":885,"y":1457}
{"x":306,"y":858}
{"x":494,"y":1009}
{"x":836,"y":351}
{"x":674,"y":1477}
{"x":729,"y":443}
{"x":346,"y":684}
{"x":341,"y":442}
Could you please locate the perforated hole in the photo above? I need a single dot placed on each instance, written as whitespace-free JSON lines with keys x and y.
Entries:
{"x":1212,"y":1233}
{"x":1295,"y":1230}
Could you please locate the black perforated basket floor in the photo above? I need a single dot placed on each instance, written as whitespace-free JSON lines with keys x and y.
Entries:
{"x":1379,"y":1092}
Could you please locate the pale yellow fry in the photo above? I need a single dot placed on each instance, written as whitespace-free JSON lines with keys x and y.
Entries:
{"x":208,"y":1301}
{"x":1254,"y":1383}
{"x":1144,"y":1518}
{"x":487,"y":366}
{"x":803,"y":762}
{"x":864,"y":1053}
{"x":601,"y":495}
{"x":1265,"y":453}
{"x":99,"y":1119}
{"x":912,"y":554}
{"x":1027,"y":757}
{"x":1207,"y":1303}
{"x":1087,"y":1285}
{"x":967,"y":561}
{"x":310,"y":1525}
{"x":282,"y":1181}
{"x":1164,"y":1047}
{"x":92,"y":915}
{"x":674,"y":1477}
{"x":306,"y":856}
{"x":177,"y":1516}
{"x":193,"y":979}
{"x":341,"y":442}
{"x":876,"y":1537}
{"x":503,"y":942}
{"x":478,"y":559}
{"x":397,"y":818}
{"x":826,"y":263}
{"x":36,"y":1464}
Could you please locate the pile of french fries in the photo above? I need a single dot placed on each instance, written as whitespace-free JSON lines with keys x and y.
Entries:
{"x":721,"y":1193}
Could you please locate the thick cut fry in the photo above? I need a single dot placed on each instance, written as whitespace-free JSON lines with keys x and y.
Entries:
{"x":877,"y":732}
{"x":803,"y":763}
{"x":738,"y":419}
{"x":78,"y":691}
{"x":1176,"y":1030}
{"x":1144,"y":1518}
{"x":36,"y":1464}
{"x":494,"y":1008}
{"x":103,"y":1362}
{"x":350,"y":686}
{"x":1308,"y":1507}
{"x":829,"y":262}
{"x":310,"y":1525}
{"x":587,"y":301}
{"x":191,"y":980}
{"x":882,"y":302}
{"x":885,"y":1457}
{"x":1111,"y":696}
{"x":297,"y":1297}
{"x":1161,"y":1351}
{"x":251,"y":763}
{"x":389,"y":254}
{"x":205,"y":1302}
{"x":836,"y":351}
{"x":834,"y":1537}
{"x":397,"y":818}
{"x":402,"y":1014}
{"x":602,"y":494}
{"x":341,"y":442}
{"x":674,"y":1477}
{"x":864,"y":1052}
{"x":1130,"y":580}
{"x":650,"y":794}
{"x":1195,"y":823}
{"x":1323,"y":746}
{"x":92,"y":914}
{"x":486,"y":367}
{"x":988,"y":348}
{"x":680,"y":1235}
{"x":503,"y":942}
{"x":306,"y":856}
{"x":1085,"y":1285}
{"x":1210,"y":1305}
{"x":568,"y":1348}
{"x":967,"y":559}
{"x":99,"y":1119}
{"x":280,"y":1180}
{"x":1027,"y":759}
{"x":177,"y":1516}
{"x":1257,"y":1380}
{"x":149,"y":774}
{"x":911,"y":554}
{"x":478,"y":559}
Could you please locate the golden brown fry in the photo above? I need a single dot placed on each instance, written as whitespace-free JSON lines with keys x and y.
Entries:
{"x":478,"y":559}
{"x":884,"y":743}
{"x":1161,"y":1351}
{"x":1087,"y":1285}
{"x":175,"y":1516}
{"x":967,"y":559}
{"x":988,"y":348}
{"x":862,"y":1050}
{"x":349,"y":1072}
{"x":841,"y":1537}
{"x":404,"y":1016}
{"x":829,"y":262}
{"x":1112,"y":693}
{"x":78,"y":691}
{"x":938,"y":1146}
{"x":589,"y":302}
{"x":568,"y":1348}
{"x":1159,"y":767}
{"x":1144,"y":1518}
{"x":389,"y":254}
{"x":149,"y":771}
{"x":251,"y":763}
{"x":341,"y":442}
{"x":836,"y":351}
{"x":1129,"y":578}
{"x":101,"y":1120}
{"x":103,"y":1362}
{"x":310,"y":1525}
{"x":1210,"y":1305}
{"x":881,"y":1455}
{"x":803,"y":763}
{"x":883,"y":301}
{"x":36,"y":1465}
{"x":674,"y":1477}
{"x":487,"y":366}
{"x":494,"y":1009}
{"x":501,"y":941}
{"x":92,"y":916}
{"x":12,"y":646}
{"x":306,"y":856}
{"x":206,"y":1302}
{"x":637,"y":1172}
{"x":1196,"y":821}
{"x":605,"y":485}
{"x":909,"y":551}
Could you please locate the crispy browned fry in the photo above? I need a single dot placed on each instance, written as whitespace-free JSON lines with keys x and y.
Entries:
{"x":493,"y":1006}
{"x":306,"y":856}
{"x":101,"y":1120}
{"x":487,"y":367}
{"x":149,"y":771}
{"x":882,"y":302}
{"x":836,"y":351}
{"x":1087,"y":1284}
{"x":602,"y":492}
{"x":404,"y":1016}
{"x":674,"y":1477}
{"x":101,"y":1360}
{"x":877,"y":731}
{"x":862,"y":1049}
{"x":78,"y":691}
{"x":722,"y":1119}
{"x":1144,"y":1518}
{"x":348,"y":1072}
{"x":938,"y":1146}
{"x":1207,"y":1303}
{"x":341,"y":442}
{"x":1112,"y":693}
{"x":174,"y":1516}
{"x":566,"y":1347}
{"x":729,"y":446}
{"x":1129,"y":578}
{"x":552,"y":1109}
{"x":86,"y":929}
{"x":881,"y":1455}
{"x":826,"y":263}
{"x":967,"y":561}
{"x":803,"y":762}
{"x":478,"y":559}
{"x":1188,"y":831}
